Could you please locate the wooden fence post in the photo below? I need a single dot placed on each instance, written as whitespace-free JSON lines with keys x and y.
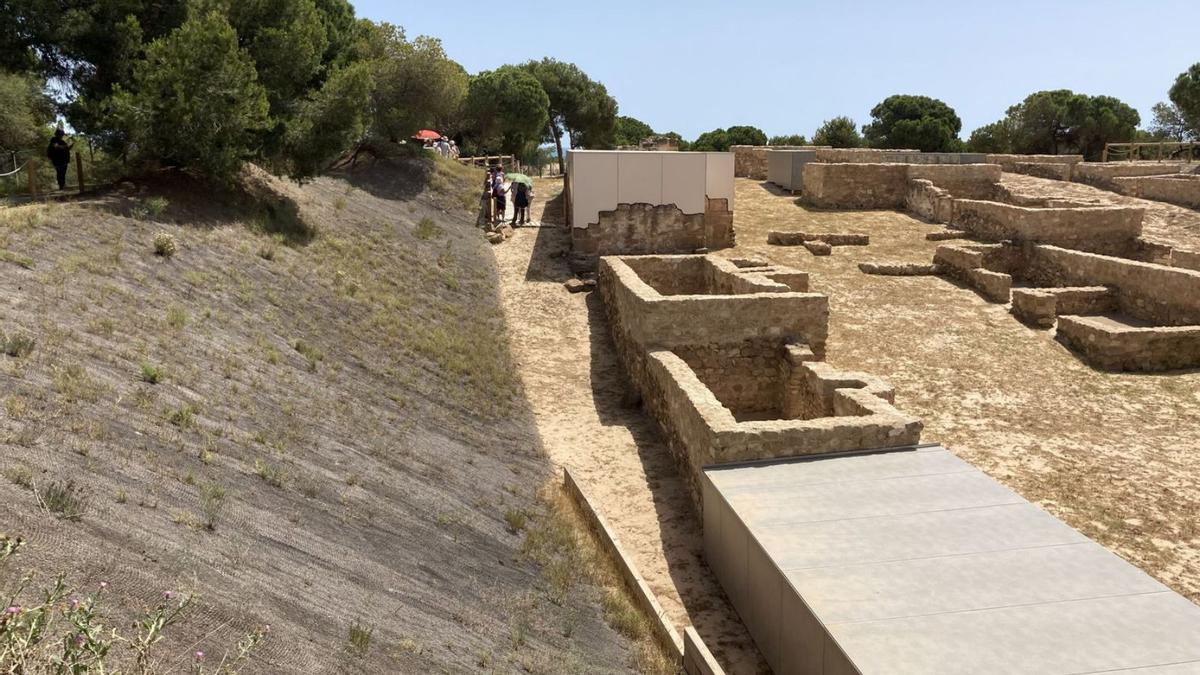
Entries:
{"x":79,"y":170}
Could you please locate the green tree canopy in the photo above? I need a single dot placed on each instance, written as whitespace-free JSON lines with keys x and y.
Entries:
{"x":508,"y":109}
{"x":24,"y":111}
{"x":631,"y":131}
{"x":1185,"y":94}
{"x":915,"y":122}
{"x":790,"y":139}
{"x":578,"y":106}
{"x":1168,"y":123}
{"x":196,"y":100}
{"x":711,"y":141}
{"x":839,"y":132}
{"x":996,"y":137}
{"x":1058,"y":121}
{"x":416,"y":85}
{"x":745,"y":135}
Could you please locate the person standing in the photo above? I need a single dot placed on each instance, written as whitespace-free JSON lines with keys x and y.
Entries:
{"x":59,"y":154}
{"x":498,"y":190}
{"x":522,"y":195}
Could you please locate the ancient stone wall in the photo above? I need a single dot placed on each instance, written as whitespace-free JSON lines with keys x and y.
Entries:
{"x":855,"y":186}
{"x":1111,"y":346}
{"x":724,"y":355}
{"x":928,"y":201}
{"x":1166,"y":296}
{"x":861,"y":155}
{"x":1181,"y":189}
{"x":1101,"y":174}
{"x":636,"y":229}
{"x":886,"y":186}
{"x":1104,"y":229}
{"x":1057,"y":167}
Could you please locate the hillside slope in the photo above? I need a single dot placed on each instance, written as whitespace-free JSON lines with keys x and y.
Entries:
{"x":332,"y":359}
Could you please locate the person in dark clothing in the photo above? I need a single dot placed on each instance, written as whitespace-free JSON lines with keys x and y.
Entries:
{"x":59,"y":154}
{"x":522,"y":193}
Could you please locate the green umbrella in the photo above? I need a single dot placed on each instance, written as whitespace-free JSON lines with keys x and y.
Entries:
{"x":519,"y":178}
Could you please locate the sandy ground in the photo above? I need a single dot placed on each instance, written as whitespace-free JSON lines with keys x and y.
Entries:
{"x":570,"y":375}
{"x":1114,"y":455}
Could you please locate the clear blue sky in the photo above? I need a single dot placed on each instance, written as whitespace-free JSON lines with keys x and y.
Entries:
{"x":786,"y":66}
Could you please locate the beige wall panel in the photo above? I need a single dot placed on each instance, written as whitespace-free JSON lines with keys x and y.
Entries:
{"x":594,"y":186}
{"x":718,"y":181}
{"x":683,"y":179}
{"x":640,"y":177}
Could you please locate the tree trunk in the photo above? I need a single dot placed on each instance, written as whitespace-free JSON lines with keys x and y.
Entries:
{"x":554,"y":131}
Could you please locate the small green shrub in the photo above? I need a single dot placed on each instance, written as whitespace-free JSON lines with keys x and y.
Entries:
{"x":177,"y":317}
{"x":212,"y":504}
{"x":68,"y":500}
{"x":164,"y":245}
{"x":152,"y":373}
{"x":266,"y":252}
{"x":17,"y":345}
{"x":360,"y":638}
{"x":514,"y":520}
{"x":183,"y":417}
{"x":150,"y":209}
{"x":427,"y":229}
{"x":20,"y":475}
{"x":73,"y":383}
{"x":309,"y":352}
{"x":272,"y":474}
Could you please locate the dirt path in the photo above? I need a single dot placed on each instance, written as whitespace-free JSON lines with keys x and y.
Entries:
{"x":575,"y":387}
{"x":1115,"y":455}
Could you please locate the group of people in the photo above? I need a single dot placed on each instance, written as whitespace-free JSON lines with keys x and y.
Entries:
{"x":443,"y":146}
{"x":497,"y":188}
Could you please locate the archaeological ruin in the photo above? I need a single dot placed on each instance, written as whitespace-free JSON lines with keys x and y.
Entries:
{"x":631,"y":202}
{"x":835,"y":533}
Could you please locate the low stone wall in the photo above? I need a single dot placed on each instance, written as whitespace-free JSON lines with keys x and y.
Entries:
{"x":968,"y":181}
{"x":1166,"y":296}
{"x":1181,"y":189}
{"x":738,"y":305}
{"x":968,"y":263}
{"x":702,"y":432}
{"x":1041,"y":307}
{"x":861,"y":155}
{"x":778,"y":238}
{"x":636,"y":229}
{"x":887,"y":186}
{"x":1111,"y":346}
{"x":928,"y":201}
{"x":1102,"y":174}
{"x":855,"y":186}
{"x":1105,"y":229}
{"x":1057,"y":167}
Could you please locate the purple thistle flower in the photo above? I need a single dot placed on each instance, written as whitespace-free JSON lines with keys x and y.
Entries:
{"x":15,"y":609}
{"x":79,"y":639}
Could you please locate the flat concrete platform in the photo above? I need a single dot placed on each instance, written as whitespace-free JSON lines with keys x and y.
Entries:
{"x":916,"y":562}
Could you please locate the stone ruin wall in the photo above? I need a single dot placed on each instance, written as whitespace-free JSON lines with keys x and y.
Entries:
{"x":729,"y":337}
{"x":639,"y":229}
{"x":1057,"y":167}
{"x":1103,"y":174}
{"x":1100,"y":229}
{"x":887,"y":186}
{"x":750,"y":161}
{"x":1072,"y":288}
{"x":1179,"y":189}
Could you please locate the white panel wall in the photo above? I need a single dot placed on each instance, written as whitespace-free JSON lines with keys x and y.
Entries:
{"x":593,"y":186}
{"x":683,"y":180}
{"x":640,"y":178}
{"x":600,"y":180}
{"x":718,"y":181}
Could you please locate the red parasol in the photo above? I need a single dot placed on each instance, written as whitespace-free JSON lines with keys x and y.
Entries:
{"x":427,"y":135}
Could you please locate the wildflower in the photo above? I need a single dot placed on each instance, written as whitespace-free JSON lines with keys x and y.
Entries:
{"x":79,"y":639}
{"x":15,"y":609}
{"x":103,"y":585}
{"x":168,"y":595}
{"x":267,"y":628}
{"x":74,"y":602}
{"x":199,"y":655}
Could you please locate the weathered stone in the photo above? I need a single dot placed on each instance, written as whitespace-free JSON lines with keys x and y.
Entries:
{"x":577,"y":285}
{"x":818,"y":247}
{"x":494,"y":237}
{"x":898,"y":269}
